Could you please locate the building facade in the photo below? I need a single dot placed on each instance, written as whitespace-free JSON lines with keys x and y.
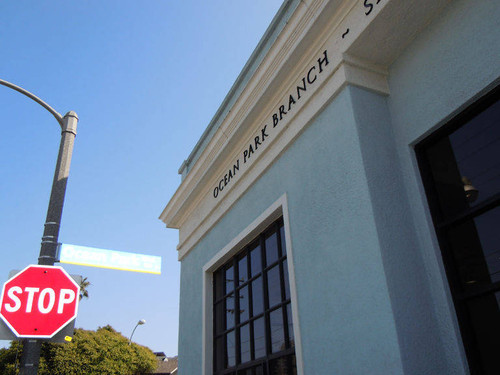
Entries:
{"x":340,"y":214}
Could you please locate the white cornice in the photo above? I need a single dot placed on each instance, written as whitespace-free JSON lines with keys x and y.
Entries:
{"x":261,"y":80}
{"x":316,"y":25}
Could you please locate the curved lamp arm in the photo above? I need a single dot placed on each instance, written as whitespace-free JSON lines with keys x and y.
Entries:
{"x":48,"y":249}
{"x":139,"y":323}
{"x":56,"y":114}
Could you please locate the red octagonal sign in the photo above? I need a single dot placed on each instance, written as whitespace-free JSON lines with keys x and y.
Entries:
{"x":39,"y":301}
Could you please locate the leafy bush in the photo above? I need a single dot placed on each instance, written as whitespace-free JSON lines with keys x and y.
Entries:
{"x":104,"y":351}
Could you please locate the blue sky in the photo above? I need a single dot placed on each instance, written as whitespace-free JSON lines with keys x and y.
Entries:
{"x":145,"y":78}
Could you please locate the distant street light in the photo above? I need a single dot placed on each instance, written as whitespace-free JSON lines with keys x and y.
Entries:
{"x":139,"y":323}
{"x":31,"y":353}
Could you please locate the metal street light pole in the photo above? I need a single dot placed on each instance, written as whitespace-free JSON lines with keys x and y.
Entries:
{"x":50,"y":236}
{"x":139,"y":323}
{"x":31,"y":352}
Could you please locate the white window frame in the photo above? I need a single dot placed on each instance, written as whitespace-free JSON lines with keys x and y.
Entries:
{"x":278,"y":209}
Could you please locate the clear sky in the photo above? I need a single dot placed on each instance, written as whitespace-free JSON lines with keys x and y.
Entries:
{"x":145,"y":78}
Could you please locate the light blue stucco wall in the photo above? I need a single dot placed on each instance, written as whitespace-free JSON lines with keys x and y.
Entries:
{"x":345,"y":312}
{"x":372,"y":294}
{"x":450,"y":64}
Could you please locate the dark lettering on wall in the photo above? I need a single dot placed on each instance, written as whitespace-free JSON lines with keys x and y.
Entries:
{"x":278,"y":116}
{"x":263,"y":133}
{"x":322,"y":60}
{"x":236,"y":167}
{"x":309,"y":80}
{"x":275,"y":120}
{"x":247,"y":154}
{"x":282,"y":111}
{"x":369,"y":5}
{"x":291,"y":101}
{"x":303,"y":88}
{"x":227,"y":179}
{"x":257,"y":141}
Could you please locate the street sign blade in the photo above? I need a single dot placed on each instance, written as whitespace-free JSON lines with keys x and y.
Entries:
{"x":102,"y":258}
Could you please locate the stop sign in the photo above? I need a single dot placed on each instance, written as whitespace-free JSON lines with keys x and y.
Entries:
{"x":39,"y":301}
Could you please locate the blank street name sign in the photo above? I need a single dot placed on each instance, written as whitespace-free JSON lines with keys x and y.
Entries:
{"x":118,"y":260}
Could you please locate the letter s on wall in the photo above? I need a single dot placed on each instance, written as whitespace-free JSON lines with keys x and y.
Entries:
{"x":368,"y":5}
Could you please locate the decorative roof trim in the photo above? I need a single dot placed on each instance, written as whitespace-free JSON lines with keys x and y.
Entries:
{"x":271,"y":34}
{"x":354,"y":38}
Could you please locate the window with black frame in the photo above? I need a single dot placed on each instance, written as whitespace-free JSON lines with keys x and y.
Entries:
{"x":460,"y":167}
{"x":253,"y":330}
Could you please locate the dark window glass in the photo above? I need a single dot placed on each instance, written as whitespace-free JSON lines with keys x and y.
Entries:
{"x":230,"y":310}
{"x":285,"y":279}
{"x":271,"y":248}
{"x":244,"y":304}
{"x":259,"y":334}
{"x":218,"y":285}
{"x":283,"y":366}
{"x":465,"y":165}
{"x":229,"y":279}
{"x":256,"y":260}
{"x":475,"y":244}
{"x":461,"y":172}
{"x":257,"y":296}
{"x":219,"y":317}
{"x":277,"y":331}
{"x":243,"y":270}
{"x":257,"y":370}
{"x":219,"y":362}
{"x":279,"y":366}
{"x":290,"y":324}
{"x":245,"y":343}
{"x":282,"y":238}
{"x":252,"y":324}
{"x":488,"y":228}
{"x":485,"y":316}
{"x":231,"y":349}
{"x":476,"y":147}
{"x":293,"y":361}
{"x":274,"y":286}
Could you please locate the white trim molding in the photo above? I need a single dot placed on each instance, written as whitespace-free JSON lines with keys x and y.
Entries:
{"x":352,"y":36}
{"x":276,"y":210}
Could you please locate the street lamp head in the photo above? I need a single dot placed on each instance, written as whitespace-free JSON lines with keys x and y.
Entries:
{"x":139,"y":323}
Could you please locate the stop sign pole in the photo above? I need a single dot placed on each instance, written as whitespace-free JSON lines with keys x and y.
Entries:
{"x":31,"y":352}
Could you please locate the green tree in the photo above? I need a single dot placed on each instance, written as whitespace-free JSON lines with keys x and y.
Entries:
{"x":104,"y":351}
{"x":9,"y":358}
